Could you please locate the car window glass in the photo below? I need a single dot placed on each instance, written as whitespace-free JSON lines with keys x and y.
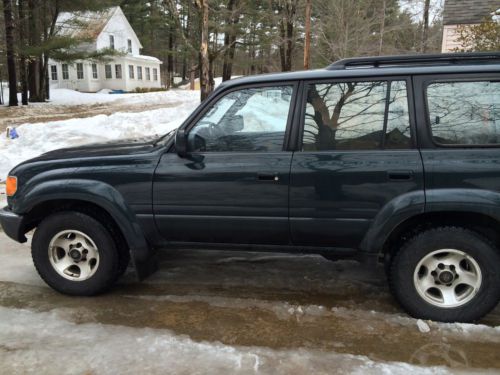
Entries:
{"x":357,"y":116}
{"x":464,"y":113}
{"x":253,"y":119}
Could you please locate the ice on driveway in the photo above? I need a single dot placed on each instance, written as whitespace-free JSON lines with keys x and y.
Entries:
{"x":49,"y":343}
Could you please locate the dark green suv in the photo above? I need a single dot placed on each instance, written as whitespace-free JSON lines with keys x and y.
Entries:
{"x":395,"y":159}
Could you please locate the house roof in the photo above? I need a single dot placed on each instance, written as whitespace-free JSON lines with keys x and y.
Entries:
{"x":465,"y":12}
{"x":87,"y":25}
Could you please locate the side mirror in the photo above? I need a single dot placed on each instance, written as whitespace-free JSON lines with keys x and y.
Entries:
{"x":181,"y":145}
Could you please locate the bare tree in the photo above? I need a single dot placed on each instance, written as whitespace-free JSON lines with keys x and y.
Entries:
{"x":307,"y":42}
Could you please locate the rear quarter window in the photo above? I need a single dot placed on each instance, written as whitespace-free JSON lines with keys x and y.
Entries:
{"x":464,"y":113}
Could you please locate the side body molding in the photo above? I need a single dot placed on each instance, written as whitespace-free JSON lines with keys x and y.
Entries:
{"x":104,"y":196}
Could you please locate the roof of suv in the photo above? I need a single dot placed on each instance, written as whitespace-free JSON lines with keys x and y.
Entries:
{"x":387,"y":66}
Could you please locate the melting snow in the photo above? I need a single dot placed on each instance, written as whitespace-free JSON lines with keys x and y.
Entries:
{"x":28,"y":341}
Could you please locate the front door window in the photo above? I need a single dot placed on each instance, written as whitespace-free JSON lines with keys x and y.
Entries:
{"x":247,"y":120}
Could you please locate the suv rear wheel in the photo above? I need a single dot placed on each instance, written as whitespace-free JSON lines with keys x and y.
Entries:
{"x":446,"y":274}
{"x":75,"y":254}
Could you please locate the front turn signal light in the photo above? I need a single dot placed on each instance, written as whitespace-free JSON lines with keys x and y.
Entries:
{"x":11,"y":186}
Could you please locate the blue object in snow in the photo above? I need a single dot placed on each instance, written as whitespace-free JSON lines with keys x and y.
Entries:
{"x":13,"y":133}
{"x":117,"y":92}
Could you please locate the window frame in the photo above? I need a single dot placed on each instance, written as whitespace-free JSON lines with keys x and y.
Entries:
{"x":129,"y":46}
{"x":196,"y":116}
{"x":147,"y":73}
{"x":131,"y":71}
{"x":139,"y":73}
{"x":112,"y":41}
{"x":65,"y":72}
{"x":155,"y":74}
{"x":54,"y":72}
{"x":118,"y":69}
{"x":82,"y":71}
{"x":95,"y":73}
{"x":454,"y":78}
{"x":335,"y":80}
{"x":106,"y":71}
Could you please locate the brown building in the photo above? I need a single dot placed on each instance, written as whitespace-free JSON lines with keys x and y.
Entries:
{"x":463,"y":12}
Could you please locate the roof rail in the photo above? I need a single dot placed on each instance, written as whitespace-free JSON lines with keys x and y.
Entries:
{"x":427,"y":59}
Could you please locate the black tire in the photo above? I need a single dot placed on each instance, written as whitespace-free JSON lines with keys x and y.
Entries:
{"x":109,"y":260}
{"x":419,"y":247}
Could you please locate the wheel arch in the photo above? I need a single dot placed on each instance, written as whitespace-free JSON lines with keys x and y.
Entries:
{"x":97,"y":199}
{"x":481,"y":223}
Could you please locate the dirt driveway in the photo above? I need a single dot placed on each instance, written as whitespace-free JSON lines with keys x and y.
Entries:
{"x":230,"y":312}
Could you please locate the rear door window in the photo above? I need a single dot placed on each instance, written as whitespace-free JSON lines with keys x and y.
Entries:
{"x":464,"y":113}
{"x":357,"y":116}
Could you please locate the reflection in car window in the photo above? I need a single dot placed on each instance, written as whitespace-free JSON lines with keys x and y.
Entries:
{"x":465,"y":113}
{"x":252,"y":119}
{"x":352,"y":116}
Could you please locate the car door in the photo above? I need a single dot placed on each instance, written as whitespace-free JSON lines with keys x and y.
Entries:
{"x":232,"y":187}
{"x":460,"y":127}
{"x":357,"y":154}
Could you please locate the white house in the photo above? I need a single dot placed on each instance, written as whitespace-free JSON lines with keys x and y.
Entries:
{"x":126,"y":71}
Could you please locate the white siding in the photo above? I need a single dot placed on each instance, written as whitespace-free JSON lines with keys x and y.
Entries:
{"x":120,"y":29}
{"x":89,"y":84}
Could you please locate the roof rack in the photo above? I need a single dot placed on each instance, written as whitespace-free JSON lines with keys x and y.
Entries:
{"x":413,"y":60}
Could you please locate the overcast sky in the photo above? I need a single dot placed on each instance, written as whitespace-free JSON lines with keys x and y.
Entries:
{"x":415,"y":7}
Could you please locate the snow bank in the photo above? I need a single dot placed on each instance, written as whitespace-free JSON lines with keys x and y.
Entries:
{"x":30,"y":340}
{"x":72,"y":97}
{"x":35,"y":139}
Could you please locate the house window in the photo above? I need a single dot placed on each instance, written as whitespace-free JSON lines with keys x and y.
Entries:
{"x":118,"y":71}
{"x":131,"y":71}
{"x":65,"y":71}
{"x":53,"y":72}
{"x":107,"y":70}
{"x":79,"y":71}
{"x":139,"y":72}
{"x":111,"y":42}
{"x":129,"y":46}
{"x":94,"y":71}
{"x":148,"y":74}
{"x":155,"y":74}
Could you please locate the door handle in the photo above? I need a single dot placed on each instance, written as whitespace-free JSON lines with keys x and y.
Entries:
{"x":400,"y":175}
{"x":268,"y":177}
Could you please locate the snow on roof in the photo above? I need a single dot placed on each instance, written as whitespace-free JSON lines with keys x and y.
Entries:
{"x":87,"y":24}
{"x":144,"y":57}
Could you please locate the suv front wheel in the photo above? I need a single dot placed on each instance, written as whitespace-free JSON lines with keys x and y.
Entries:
{"x":75,"y":254}
{"x":447,"y":274}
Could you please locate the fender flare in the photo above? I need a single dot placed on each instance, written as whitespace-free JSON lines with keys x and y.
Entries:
{"x":406,"y":206}
{"x":389,"y":217}
{"x":106,"y":197}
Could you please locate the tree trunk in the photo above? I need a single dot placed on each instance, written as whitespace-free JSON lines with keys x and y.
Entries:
{"x":22,"y":55}
{"x":307,"y":42}
{"x":425,"y":27}
{"x":382,"y":27}
{"x":206,"y":86}
{"x":11,"y":59}
{"x":170,"y":58}
{"x":34,"y":62}
{"x":230,"y":39}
